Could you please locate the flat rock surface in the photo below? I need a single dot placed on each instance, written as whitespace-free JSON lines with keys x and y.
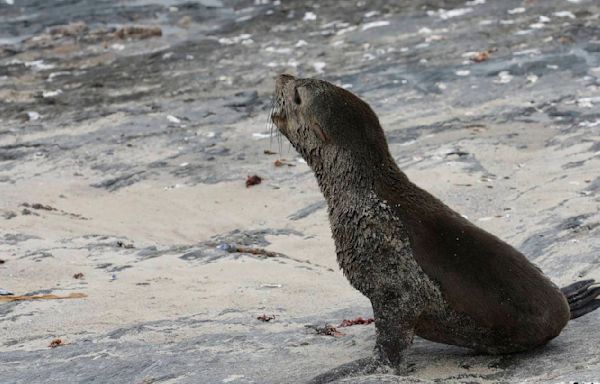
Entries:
{"x":128,"y":129}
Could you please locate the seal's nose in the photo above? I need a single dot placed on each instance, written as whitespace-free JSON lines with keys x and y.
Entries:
{"x":282,"y":80}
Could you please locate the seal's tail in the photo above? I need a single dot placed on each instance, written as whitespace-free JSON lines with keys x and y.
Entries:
{"x":582,"y":297}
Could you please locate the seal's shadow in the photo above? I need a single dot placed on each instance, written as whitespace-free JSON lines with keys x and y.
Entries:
{"x":437,"y":361}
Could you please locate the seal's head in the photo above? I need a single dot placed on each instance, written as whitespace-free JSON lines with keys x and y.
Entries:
{"x":323,"y":122}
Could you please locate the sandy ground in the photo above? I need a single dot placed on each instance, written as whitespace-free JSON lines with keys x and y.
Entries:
{"x":124,"y":158}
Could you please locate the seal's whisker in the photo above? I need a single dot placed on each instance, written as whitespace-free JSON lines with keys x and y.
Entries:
{"x":286,"y":110}
{"x":279,"y":141}
{"x":270,"y":123}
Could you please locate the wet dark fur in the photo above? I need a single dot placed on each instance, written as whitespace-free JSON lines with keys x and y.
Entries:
{"x":426,"y":269}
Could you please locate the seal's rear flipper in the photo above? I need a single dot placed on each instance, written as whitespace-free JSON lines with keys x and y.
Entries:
{"x":577,"y":287}
{"x":582,"y":297}
{"x":593,"y":305}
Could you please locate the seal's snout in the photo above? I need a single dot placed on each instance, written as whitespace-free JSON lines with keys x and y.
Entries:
{"x":278,"y":118}
{"x":282,"y":80}
{"x":278,"y":115}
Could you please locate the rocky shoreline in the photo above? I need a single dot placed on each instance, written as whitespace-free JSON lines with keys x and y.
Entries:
{"x":128,"y":130}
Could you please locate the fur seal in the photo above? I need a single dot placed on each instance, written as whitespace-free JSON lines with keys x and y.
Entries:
{"x":426,"y":269}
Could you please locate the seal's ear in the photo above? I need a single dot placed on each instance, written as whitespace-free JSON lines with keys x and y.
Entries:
{"x":316,"y":128}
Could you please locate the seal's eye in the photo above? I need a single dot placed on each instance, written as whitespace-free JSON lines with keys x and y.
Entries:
{"x":297,"y":97}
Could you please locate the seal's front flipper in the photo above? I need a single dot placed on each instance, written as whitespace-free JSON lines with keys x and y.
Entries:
{"x":582,"y":297}
{"x":365,"y":366}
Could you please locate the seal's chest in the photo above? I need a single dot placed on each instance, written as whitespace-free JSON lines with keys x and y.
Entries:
{"x":369,"y":239}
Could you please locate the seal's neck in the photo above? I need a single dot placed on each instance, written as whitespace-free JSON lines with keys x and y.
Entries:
{"x":345,"y":176}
